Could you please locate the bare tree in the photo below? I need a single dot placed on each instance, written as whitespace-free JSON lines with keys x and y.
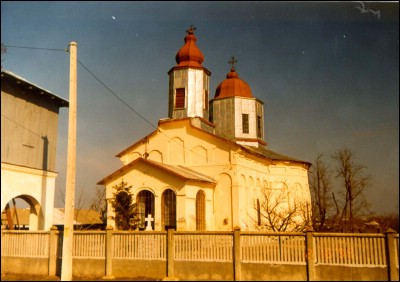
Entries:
{"x":79,"y":204}
{"x":320,"y":188}
{"x":355,"y":181}
{"x":277,"y":211}
{"x":99,"y":203}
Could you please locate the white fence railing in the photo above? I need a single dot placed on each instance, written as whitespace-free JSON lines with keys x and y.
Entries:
{"x":271,"y":248}
{"x":205,"y":246}
{"x":350,"y":249}
{"x":140,"y":245}
{"x":25,"y":244}
{"x":89,"y":244}
{"x":360,"y":250}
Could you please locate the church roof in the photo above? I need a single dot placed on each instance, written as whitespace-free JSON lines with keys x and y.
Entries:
{"x":272,"y":155}
{"x":189,"y":55}
{"x":259,"y":151}
{"x":233,"y":86}
{"x":177,"y":170}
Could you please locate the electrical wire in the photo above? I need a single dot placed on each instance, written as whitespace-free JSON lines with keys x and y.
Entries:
{"x":108,"y":88}
{"x":119,"y":98}
{"x":35,"y":48}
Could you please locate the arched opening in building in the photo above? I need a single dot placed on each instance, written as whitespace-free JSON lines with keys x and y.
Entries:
{"x":145,"y":204}
{"x":168,"y":209}
{"x":22,"y":213}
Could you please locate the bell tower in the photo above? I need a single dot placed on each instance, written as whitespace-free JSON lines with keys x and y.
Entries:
{"x":237,"y":115}
{"x":189,"y":82}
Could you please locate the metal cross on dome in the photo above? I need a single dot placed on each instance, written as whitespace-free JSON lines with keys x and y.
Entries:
{"x":232,"y":62}
{"x":191,"y":29}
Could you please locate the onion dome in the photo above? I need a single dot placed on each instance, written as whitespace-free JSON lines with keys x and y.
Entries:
{"x":189,"y":55}
{"x":233,"y":86}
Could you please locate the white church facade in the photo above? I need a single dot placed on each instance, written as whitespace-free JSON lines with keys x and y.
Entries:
{"x":207,"y":166}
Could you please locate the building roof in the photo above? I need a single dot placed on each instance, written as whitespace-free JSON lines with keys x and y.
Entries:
{"x":260,"y":151}
{"x":190,"y":174}
{"x":233,"y":86}
{"x":273,"y":155}
{"x":177,"y":170}
{"x":33,"y":88}
{"x":189,"y":55}
{"x":81,"y":217}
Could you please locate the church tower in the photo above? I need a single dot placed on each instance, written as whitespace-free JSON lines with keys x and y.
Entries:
{"x":189,"y":82}
{"x":237,"y":115}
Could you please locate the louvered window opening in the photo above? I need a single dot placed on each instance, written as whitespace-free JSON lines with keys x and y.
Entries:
{"x":180,"y":98}
{"x":245,"y":123}
{"x":259,"y":127}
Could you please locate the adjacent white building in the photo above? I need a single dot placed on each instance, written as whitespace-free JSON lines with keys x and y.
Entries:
{"x":29,"y":123}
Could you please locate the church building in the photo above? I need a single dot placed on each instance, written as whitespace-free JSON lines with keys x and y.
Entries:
{"x":207,"y":166}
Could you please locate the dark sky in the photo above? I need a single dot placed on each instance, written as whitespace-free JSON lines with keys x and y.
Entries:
{"x":328,"y":73}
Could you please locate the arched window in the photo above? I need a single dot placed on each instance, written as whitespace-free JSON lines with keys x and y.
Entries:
{"x":168,"y":209}
{"x":145,"y":203}
{"x":200,"y":210}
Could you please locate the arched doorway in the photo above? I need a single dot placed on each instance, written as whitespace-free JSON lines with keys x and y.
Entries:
{"x":168,"y":209}
{"x":145,"y":203}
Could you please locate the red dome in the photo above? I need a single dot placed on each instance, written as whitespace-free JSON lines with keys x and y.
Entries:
{"x":189,"y":55}
{"x":233,"y":86}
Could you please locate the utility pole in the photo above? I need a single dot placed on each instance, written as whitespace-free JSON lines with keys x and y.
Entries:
{"x":66,"y":266}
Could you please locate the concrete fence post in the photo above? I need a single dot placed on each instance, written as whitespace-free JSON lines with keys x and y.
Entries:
{"x":53,"y":246}
{"x":310,"y":254}
{"x":170,"y":254}
{"x":109,"y":253}
{"x":237,"y":258}
{"x":391,"y":255}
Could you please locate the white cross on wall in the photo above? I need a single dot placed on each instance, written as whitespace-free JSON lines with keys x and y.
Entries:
{"x":149,"y":219}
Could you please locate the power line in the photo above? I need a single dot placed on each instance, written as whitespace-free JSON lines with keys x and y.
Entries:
{"x":112,"y":92}
{"x":103,"y":84}
{"x":36,"y":48}
{"x":126,"y":104}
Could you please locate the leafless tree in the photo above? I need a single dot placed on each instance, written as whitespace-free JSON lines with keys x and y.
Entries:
{"x":79,"y":204}
{"x":355,"y":182}
{"x":320,"y":189}
{"x":277,"y":211}
{"x":99,"y":203}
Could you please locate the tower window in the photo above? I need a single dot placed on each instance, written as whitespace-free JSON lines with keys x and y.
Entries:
{"x":180,"y":98}
{"x":205,"y":102}
{"x":259,"y":127}
{"x":245,"y":123}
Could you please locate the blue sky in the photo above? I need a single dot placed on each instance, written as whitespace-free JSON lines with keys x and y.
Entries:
{"x":327,"y":72}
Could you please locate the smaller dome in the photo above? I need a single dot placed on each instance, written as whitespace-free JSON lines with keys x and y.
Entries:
{"x":189,"y":55}
{"x":233,"y":86}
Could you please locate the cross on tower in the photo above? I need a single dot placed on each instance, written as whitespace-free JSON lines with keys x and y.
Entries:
{"x":149,"y":219}
{"x":191,"y":29}
{"x":232,"y":62}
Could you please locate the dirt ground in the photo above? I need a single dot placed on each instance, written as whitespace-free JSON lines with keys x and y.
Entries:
{"x":22,"y":277}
